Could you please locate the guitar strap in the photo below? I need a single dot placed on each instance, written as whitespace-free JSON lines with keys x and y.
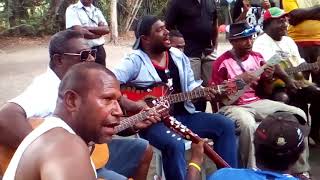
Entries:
{"x":89,"y":16}
{"x":239,"y":62}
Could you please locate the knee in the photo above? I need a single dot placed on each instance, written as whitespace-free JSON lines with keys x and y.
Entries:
{"x":281,"y":97}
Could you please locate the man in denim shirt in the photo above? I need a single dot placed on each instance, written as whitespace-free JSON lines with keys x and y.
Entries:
{"x":154,"y":61}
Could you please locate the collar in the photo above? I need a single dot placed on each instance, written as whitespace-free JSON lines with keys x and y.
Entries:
{"x":80,"y":5}
{"x":52,"y":74}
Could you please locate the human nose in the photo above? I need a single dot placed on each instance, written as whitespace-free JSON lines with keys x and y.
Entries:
{"x":249,"y":41}
{"x":116,"y":111}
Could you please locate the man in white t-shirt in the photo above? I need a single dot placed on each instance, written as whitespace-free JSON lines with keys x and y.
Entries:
{"x":274,"y":39}
{"x":67,"y":48}
{"x":88,"y":19}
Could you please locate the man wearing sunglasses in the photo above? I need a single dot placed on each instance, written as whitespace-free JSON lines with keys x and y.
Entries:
{"x":89,"y":20}
{"x":66,"y":49}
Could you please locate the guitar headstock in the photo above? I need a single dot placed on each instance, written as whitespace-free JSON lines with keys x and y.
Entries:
{"x":179,"y":128}
{"x":161,"y":107}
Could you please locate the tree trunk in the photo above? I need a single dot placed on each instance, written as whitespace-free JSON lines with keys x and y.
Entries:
{"x":114,"y":22}
{"x":130,"y":8}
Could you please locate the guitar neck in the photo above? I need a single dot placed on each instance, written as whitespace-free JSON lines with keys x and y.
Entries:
{"x":181,"y":97}
{"x":132,"y":120}
{"x":302,"y":67}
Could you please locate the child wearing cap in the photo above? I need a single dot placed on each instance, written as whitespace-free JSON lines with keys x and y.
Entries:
{"x":278,"y":142}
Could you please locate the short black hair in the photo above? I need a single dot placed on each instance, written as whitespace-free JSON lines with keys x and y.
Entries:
{"x":175,"y":33}
{"x":269,"y":159}
{"x":77,"y":78}
{"x":59,"y":42}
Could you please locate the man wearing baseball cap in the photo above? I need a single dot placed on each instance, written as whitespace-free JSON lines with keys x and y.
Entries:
{"x":300,"y":92}
{"x":155,"y":61}
{"x":278,"y":141}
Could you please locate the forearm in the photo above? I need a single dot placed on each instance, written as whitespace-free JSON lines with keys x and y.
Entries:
{"x":298,"y":15}
{"x":193,"y":174}
{"x":86,"y":33}
{"x":131,"y":106}
{"x":100,"y":30}
{"x":280,"y":73}
{"x":14,"y":126}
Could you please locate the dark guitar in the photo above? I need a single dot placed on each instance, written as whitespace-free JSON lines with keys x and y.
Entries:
{"x":187,"y":134}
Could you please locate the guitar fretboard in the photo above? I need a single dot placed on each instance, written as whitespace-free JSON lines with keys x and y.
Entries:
{"x":302,"y":67}
{"x":132,"y":120}
{"x":180,"y":97}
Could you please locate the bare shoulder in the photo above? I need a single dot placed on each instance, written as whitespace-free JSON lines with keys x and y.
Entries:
{"x":60,"y":152}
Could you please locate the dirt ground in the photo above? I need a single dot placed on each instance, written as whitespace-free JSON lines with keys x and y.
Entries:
{"x":21,"y":59}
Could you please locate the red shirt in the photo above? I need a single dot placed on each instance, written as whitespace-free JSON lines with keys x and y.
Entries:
{"x":225,"y":68}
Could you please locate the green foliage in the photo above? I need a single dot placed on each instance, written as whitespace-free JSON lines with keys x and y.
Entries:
{"x":154,"y":7}
{"x":40,"y":15}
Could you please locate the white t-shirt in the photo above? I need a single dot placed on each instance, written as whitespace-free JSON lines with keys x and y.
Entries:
{"x":266,"y":46}
{"x":77,"y":14}
{"x":40,"y":97}
{"x":48,"y":124}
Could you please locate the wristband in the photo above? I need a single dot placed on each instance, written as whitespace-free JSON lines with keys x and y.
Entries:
{"x":195,"y":165}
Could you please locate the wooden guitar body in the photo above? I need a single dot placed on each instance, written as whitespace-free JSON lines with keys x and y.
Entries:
{"x":290,"y":65}
{"x":99,"y":156}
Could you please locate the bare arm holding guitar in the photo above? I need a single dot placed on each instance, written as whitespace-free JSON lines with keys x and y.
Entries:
{"x":197,"y":153}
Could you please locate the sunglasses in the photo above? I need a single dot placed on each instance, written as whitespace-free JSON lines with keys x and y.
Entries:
{"x":84,"y":55}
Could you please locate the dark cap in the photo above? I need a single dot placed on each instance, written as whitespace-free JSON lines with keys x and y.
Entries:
{"x":144,"y":26}
{"x":240,"y":30}
{"x":281,"y":132}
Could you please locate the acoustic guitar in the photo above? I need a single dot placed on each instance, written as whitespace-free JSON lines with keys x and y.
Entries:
{"x":294,"y":72}
{"x":100,"y":154}
{"x":187,"y":134}
{"x":275,"y":59}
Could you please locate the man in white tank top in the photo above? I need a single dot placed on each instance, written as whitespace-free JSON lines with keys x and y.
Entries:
{"x":87,"y":110}
{"x":67,"y":48}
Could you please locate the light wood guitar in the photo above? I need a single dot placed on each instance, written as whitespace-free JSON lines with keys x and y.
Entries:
{"x":294,"y":72}
{"x":100,"y":154}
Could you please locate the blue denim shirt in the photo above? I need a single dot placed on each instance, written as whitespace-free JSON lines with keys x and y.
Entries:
{"x":138,"y":69}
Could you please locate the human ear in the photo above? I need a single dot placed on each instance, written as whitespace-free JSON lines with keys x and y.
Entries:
{"x":72,"y":100}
